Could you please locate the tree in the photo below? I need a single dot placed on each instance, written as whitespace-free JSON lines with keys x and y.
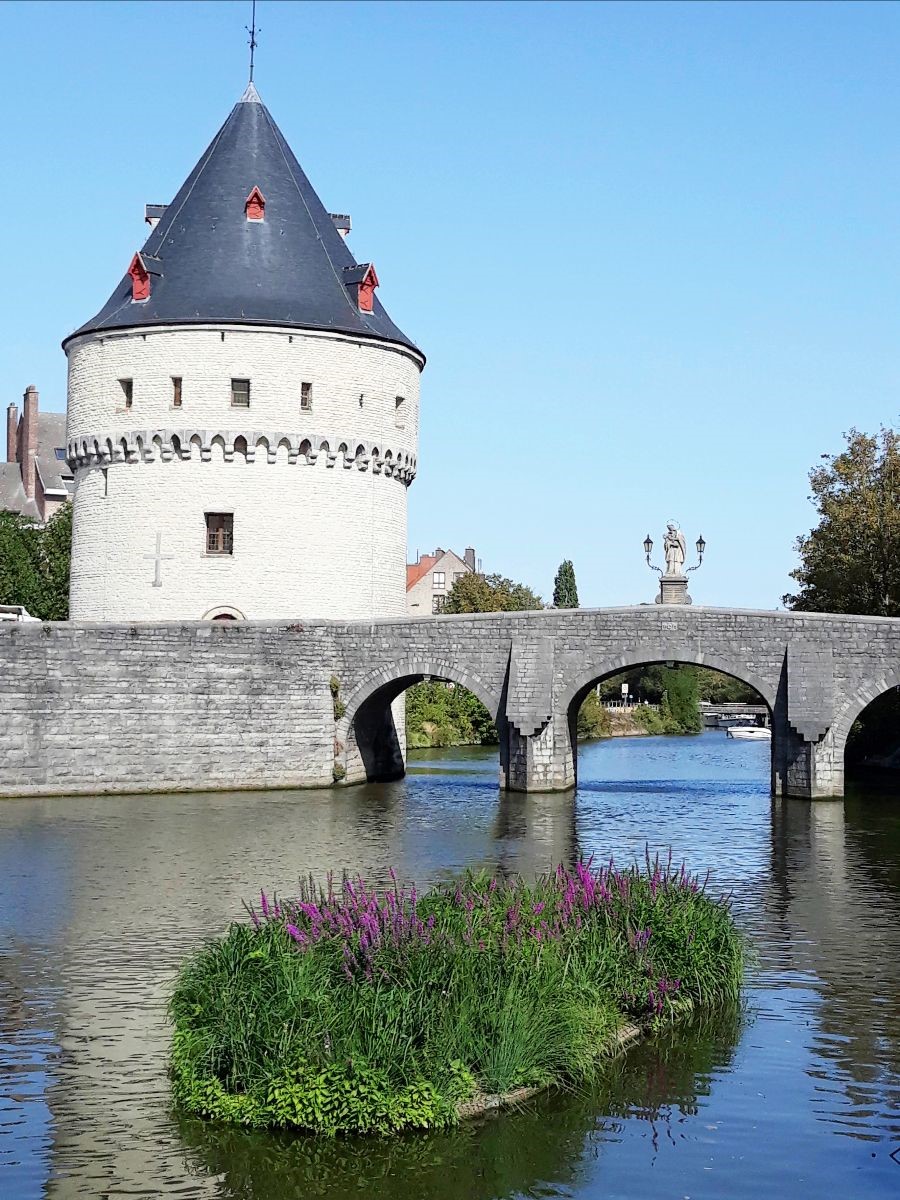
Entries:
{"x":565,"y":590}
{"x":473,"y":593}
{"x":680,"y":703}
{"x":850,"y":562}
{"x":34,"y":564}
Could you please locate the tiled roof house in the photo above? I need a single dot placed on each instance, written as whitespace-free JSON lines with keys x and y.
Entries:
{"x":35,"y":480}
{"x":430,"y":578}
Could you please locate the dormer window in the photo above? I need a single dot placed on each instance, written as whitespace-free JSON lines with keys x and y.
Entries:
{"x":255,"y":206}
{"x":361,"y":282}
{"x":140,"y":279}
{"x":140,"y":269}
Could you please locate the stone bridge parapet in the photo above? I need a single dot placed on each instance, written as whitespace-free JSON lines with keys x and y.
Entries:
{"x":90,"y":708}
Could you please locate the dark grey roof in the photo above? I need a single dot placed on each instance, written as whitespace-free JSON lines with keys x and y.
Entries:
{"x":12,"y":492}
{"x":219,"y":267}
{"x":55,"y":473}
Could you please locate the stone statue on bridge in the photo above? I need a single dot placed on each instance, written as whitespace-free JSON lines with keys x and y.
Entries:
{"x":674,"y":549}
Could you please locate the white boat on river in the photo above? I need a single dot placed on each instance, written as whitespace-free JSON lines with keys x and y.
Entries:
{"x":750,"y":733}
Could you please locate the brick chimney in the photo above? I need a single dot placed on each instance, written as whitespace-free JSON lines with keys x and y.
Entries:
{"x":28,"y":448}
{"x":469,"y":557}
{"x":12,"y":432}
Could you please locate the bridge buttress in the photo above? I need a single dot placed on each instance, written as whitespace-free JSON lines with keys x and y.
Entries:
{"x":806,"y":762}
{"x":539,"y":761}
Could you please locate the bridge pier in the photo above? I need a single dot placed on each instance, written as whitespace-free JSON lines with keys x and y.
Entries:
{"x":805,"y":770}
{"x":541,"y":762}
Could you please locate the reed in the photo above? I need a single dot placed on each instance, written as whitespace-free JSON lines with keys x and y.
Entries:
{"x":354,"y":1010}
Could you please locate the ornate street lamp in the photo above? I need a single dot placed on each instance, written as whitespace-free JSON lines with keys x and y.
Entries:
{"x":701,"y":546}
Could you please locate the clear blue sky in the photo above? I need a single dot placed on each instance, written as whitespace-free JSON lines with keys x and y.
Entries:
{"x":651,"y":250}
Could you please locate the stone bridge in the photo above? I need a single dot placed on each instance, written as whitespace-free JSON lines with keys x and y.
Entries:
{"x":90,"y":708}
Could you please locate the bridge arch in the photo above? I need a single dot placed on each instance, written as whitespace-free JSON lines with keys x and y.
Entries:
{"x":368,"y":745}
{"x":648,"y":656}
{"x":573,"y":693}
{"x":866,"y":693}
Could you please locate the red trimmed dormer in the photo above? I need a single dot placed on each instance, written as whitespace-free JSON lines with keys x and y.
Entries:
{"x":140,"y":279}
{"x":255,"y":206}
{"x":361,"y":282}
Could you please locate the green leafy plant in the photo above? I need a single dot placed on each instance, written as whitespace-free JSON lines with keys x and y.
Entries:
{"x":34,"y":563}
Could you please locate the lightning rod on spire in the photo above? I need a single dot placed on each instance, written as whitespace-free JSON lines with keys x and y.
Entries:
{"x":251,"y":29}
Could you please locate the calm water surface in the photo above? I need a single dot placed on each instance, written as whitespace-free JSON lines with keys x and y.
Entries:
{"x":798,"y":1093}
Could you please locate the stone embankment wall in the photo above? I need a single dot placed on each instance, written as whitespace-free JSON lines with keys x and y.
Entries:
{"x":93,"y":709}
{"x":121,"y":708}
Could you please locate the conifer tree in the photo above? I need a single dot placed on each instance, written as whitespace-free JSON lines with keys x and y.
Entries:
{"x":565,"y":590}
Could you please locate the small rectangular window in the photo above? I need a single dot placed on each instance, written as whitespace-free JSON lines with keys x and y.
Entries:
{"x":220,"y":533}
{"x":105,"y":482}
{"x":240,"y":393}
{"x":437,"y":603}
{"x":440,"y":581}
{"x":176,"y":391}
{"x":458,"y":575}
{"x":60,"y":454}
{"x":127,"y":386}
{"x":306,"y":397}
{"x":399,"y":411}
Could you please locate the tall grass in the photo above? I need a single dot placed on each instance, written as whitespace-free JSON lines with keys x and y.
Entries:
{"x":353,"y":1010}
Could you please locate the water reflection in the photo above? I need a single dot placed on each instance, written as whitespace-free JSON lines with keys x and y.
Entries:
{"x":100,"y":899}
{"x":537,"y":1151}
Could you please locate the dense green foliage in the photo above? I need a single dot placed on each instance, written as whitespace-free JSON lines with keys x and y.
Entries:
{"x":34,"y":564}
{"x":565,"y":590}
{"x":675,"y":689}
{"x":444,"y":714}
{"x":474,"y":593}
{"x":850,"y":562}
{"x":723,"y":689}
{"x":356,"y":1011}
{"x":593,"y":719}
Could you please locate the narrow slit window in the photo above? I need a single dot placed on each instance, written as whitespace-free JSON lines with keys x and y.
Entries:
{"x":176,"y":391}
{"x":306,"y":397}
{"x":127,"y":386}
{"x":220,"y":533}
{"x":400,"y":411}
{"x":240,"y":393}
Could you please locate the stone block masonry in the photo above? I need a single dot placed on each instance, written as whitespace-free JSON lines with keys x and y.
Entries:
{"x":91,"y":708}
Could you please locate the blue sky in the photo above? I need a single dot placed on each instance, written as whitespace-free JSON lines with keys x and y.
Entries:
{"x":651,"y":250}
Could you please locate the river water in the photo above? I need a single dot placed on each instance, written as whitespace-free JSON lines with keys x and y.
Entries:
{"x":797,"y":1093}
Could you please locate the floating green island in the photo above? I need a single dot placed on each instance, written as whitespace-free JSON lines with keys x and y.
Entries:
{"x":352,"y":1010}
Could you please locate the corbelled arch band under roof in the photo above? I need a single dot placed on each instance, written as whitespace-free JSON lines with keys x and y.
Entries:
{"x":208,"y":262}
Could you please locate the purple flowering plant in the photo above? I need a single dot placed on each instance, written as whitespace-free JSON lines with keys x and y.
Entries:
{"x":351,"y":1007}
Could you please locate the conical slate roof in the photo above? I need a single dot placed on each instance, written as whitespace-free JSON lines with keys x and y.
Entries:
{"x":208,"y":263}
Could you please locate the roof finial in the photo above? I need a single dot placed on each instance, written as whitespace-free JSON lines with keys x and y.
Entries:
{"x":251,"y":29}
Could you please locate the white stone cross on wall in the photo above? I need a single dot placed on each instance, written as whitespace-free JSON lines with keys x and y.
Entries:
{"x":159,"y":558}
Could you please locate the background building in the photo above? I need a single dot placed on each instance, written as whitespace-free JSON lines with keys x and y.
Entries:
{"x":430,"y":578}
{"x":242,"y":412}
{"x":35,"y":480}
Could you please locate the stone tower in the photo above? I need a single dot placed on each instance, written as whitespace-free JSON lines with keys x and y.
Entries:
{"x":242,"y":412}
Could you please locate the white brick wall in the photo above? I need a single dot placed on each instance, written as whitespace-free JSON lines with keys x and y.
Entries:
{"x":309,"y":540}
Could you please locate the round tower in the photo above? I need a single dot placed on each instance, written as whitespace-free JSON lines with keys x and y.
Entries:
{"x":242,"y":413}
